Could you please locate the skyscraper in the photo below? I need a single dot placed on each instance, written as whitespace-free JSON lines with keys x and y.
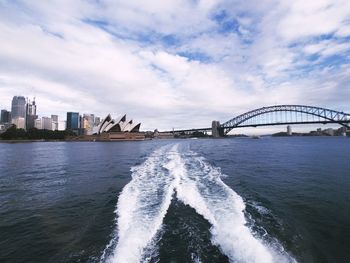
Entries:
{"x":46,"y":123}
{"x":18,"y":111}
{"x":61,"y":125}
{"x":30,"y":114}
{"x":19,"y":122}
{"x":37,"y":124}
{"x":5,"y":116}
{"x":88,"y":123}
{"x":97,"y":121}
{"x":72,"y":121}
{"x":54,"y":119}
{"x":18,"y":108}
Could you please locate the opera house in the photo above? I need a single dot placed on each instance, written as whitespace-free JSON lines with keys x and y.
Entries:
{"x":116,"y":130}
{"x":109,"y":125}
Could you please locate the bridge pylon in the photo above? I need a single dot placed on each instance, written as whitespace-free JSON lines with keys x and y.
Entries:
{"x":216,"y":130}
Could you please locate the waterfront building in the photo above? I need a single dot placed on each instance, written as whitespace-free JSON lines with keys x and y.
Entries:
{"x":31,"y":107}
{"x":116,"y":125}
{"x":54,"y":119}
{"x":97,"y":121}
{"x":72,"y":121}
{"x":37,"y":124}
{"x":18,"y":111}
{"x":85,"y":123}
{"x":81,"y":122}
{"x":19,"y":122}
{"x":30,"y":114}
{"x":61,"y":125}
{"x":289,"y":130}
{"x":88,"y":123}
{"x":46,"y":123}
{"x":341,"y":131}
{"x":18,"y":108}
{"x":329,"y":132}
{"x":5,"y":116}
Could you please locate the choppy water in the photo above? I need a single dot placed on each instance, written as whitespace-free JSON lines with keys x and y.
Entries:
{"x":226,"y":200}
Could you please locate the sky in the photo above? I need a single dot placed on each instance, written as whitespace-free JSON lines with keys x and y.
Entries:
{"x":175,"y":63}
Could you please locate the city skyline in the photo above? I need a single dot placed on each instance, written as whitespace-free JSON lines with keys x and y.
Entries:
{"x":87,"y":122}
{"x":24,"y":115}
{"x":179,"y":64}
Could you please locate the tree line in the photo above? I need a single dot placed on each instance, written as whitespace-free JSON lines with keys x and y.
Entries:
{"x":13,"y":133}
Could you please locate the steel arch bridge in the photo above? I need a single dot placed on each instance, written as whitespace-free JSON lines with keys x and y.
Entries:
{"x":278,"y":115}
{"x":275,"y":115}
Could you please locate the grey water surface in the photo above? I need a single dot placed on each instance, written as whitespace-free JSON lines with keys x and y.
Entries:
{"x":205,"y":200}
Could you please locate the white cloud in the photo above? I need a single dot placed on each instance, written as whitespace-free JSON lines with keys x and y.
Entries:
{"x":312,"y":18}
{"x":110,"y":56}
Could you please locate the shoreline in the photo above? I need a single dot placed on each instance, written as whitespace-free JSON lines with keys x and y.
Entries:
{"x":149,"y":139}
{"x":30,"y":141}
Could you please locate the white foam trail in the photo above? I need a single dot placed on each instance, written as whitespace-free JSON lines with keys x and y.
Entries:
{"x":201,"y":188}
{"x":143,"y":204}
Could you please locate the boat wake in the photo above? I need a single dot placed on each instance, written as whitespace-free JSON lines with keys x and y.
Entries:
{"x":143,"y":204}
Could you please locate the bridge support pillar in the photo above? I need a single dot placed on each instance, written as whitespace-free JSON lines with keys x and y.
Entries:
{"x":216,"y":130}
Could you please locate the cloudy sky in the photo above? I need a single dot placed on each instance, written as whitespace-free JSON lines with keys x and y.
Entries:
{"x":174,"y":63}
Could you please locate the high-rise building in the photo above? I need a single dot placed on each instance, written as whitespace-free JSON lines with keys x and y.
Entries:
{"x":30,"y":114}
{"x":18,"y":111}
{"x":61,"y":125}
{"x":72,"y":121}
{"x":31,"y":107}
{"x":54,"y":119}
{"x":88,"y":123}
{"x":37,"y":124}
{"x":5,"y":116}
{"x":85,"y":123}
{"x":97,"y":121}
{"x":19,"y":122}
{"x":46,"y":123}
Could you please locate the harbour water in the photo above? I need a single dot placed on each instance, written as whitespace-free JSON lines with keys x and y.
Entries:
{"x":225,"y":200}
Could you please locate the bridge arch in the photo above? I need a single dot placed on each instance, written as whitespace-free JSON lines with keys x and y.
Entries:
{"x":327,"y":116}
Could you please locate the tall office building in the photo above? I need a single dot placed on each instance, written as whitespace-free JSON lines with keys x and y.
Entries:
{"x":81,"y":122}
{"x":46,"y":123}
{"x":97,"y":121}
{"x":54,"y":119}
{"x":72,"y":121}
{"x":31,"y":114}
{"x":5,"y":116}
{"x":37,"y":124}
{"x":61,"y":125}
{"x":31,"y":107}
{"x":88,"y":123}
{"x":19,"y":122}
{"x":18,"y":111}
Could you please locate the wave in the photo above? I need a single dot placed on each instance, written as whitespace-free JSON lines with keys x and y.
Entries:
{"x":143,"y":204}
{"x":201,"y":187}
